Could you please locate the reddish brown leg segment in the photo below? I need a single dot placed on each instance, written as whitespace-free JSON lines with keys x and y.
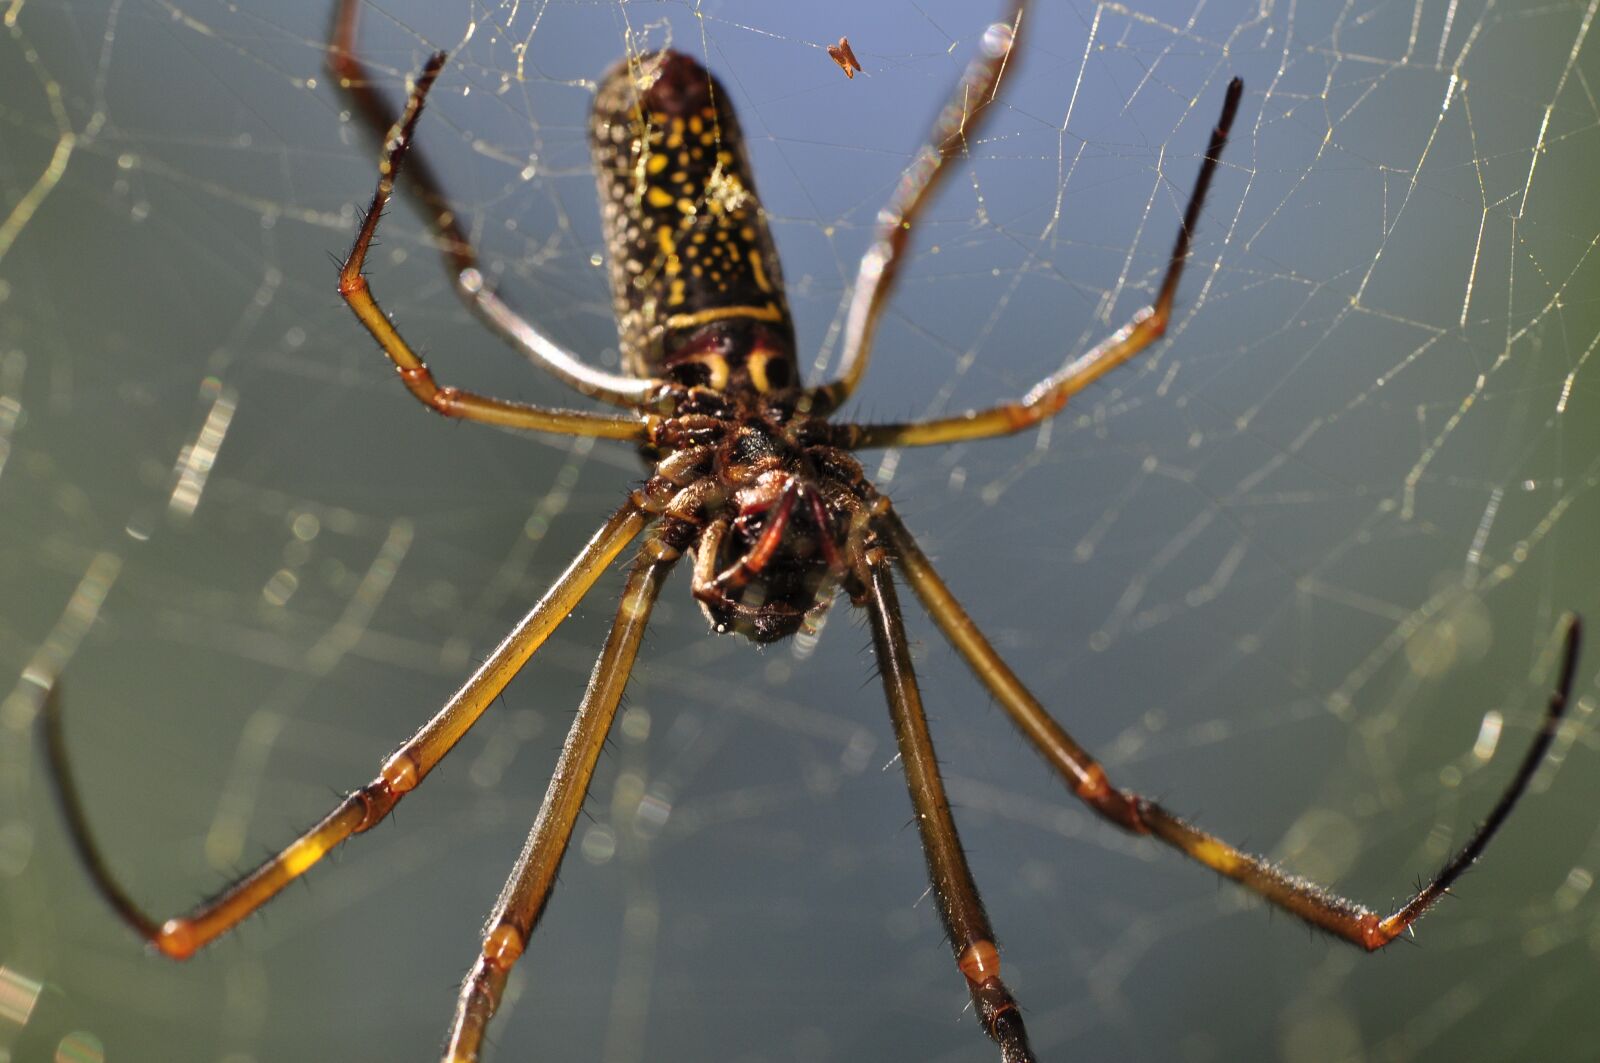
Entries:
{"x":180,"y":936}
{"x":1321,"y":908}
{"x":523,"y":899}
{"x":959,"y":903}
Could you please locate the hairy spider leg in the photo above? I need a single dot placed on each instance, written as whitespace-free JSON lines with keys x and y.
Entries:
{"x":181,"y":936}
{"x":418,"y":379}
{"x":1132,"y":812}
{"x":523,"y":899}
{"x":460,"y":258}
{"x":961,"y":908}
{"x":1047,"y":398}
{"x":956,"y":124}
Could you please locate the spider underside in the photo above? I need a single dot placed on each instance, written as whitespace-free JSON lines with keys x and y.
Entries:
{"x":752,"y":479}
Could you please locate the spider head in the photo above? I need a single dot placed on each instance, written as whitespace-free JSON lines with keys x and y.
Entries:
{"x":768,"y":568}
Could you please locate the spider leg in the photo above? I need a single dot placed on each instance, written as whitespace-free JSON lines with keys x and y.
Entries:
{"x":413,"y":371}
{"x":523,"y":899}
{"x":1046,"y":398}
{"x":180,"y":937}
{"x":957,"y":122}
{"x":1137,"y":814}
{"x":350,"y":74}
{"x":960,"y":906}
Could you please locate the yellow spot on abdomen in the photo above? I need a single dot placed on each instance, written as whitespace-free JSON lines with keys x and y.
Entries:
{"x":719,"y":370}
{"x":717,"y":313}
{"x":756,"y":366}
{"x":758,"y":271}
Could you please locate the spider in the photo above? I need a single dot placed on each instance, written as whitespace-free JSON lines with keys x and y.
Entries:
{"x":753,"y":481}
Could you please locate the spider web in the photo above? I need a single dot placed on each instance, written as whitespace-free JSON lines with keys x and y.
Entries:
{"x":1295,"y":572}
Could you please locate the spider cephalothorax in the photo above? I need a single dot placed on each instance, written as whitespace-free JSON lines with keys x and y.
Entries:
{"x":769,"y":518}
{"x":750,"y":485}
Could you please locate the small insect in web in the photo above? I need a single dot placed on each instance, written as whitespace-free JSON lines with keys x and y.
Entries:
{"x":753,"y":480}
{"x":845,"y":56}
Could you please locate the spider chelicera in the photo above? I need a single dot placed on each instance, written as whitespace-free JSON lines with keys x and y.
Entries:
{"x":752,"y":480}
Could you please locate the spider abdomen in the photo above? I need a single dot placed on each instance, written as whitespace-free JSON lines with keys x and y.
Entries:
{"x":695,"y":278}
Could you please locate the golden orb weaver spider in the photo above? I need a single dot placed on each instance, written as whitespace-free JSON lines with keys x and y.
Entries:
{"x":751,"y":478}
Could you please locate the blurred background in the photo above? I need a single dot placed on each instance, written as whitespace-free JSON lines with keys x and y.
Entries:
{"x":1295,"y":572}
